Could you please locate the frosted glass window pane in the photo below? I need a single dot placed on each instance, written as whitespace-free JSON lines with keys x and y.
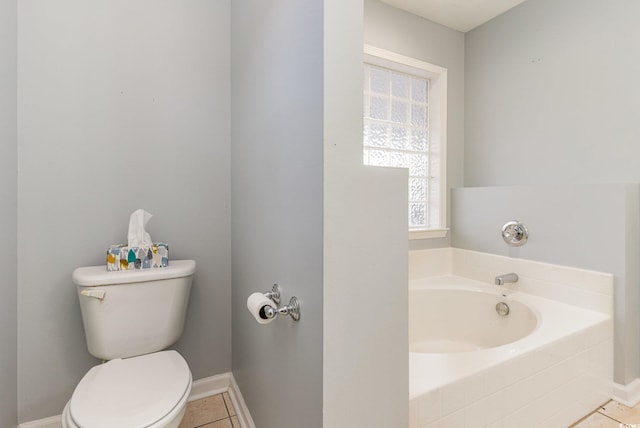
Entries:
{"x":418,"y":140}
{"x":419,"y":90}
{"x":417,"y":189}
{"x":418,"y":115}
{"x":379,"y":108}
{"x":378,"y":158}
{"x":418,"y":165}
{"x":399,"y":111}
{"x":376,"y":135}
{"x":417,"y":215}
{"x":380,"y":80}
{"x":399,"y":138}
{"x":396,"y":134}
{"x":398,"y":160}
{"x":399,"y":85}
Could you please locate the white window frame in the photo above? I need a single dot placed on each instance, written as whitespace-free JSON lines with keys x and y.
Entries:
{"x":437,"y":77}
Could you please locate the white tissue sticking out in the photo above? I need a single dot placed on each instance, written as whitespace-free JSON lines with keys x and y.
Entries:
{"x":138,"y":236}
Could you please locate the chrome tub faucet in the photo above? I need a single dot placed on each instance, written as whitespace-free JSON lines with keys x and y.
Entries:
{"x":506,"y":278}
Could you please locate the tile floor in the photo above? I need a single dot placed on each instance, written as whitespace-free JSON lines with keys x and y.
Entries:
{"x":215,"y":411}
{"x":612,"y":415}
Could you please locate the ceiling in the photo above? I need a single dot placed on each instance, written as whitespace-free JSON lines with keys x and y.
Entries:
{"x":461,"y":15}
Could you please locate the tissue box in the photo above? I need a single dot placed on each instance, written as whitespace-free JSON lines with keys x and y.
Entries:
{"x":122,"y":257}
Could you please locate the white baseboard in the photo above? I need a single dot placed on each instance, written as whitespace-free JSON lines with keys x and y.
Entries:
{"x":201,"y":388}
{"x":209,"y":386}
{"x":246,"y":421}
{"x":52,"y":422}
{"x":628,"y":394}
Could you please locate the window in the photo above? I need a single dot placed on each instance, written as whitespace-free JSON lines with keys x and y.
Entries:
{"x":405,"y":127}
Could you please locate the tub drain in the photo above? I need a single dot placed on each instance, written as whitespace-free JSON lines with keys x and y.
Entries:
{"x":502,"y":309}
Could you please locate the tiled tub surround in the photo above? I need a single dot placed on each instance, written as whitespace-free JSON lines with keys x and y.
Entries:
{"x":551,"y":378}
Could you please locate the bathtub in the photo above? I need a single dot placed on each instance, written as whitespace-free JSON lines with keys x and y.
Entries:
{"x":544,"y":364}
{"x":448,"y":317}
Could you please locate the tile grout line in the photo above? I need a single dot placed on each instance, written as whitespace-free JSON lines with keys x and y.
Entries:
{"x":231,"y":409}
{"x":211,"y":422}
{"x":579,"y":422}
{"x":211,"y":419}
{"x":609,"y":417}
{"x":601,"y":411}
{"x":224,"y":400}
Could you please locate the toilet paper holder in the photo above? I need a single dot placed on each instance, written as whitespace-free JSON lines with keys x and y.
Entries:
{"x":274,"y":294}
{"x":292,"y":309}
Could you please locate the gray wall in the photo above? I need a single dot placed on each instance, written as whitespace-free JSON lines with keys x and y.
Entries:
{"x":8,"y":198}
{"x":276,"y":164}
{"x":365,"y":331}
{"x":551,"y":90}
{"x":398,"y":31}
{"x":308,"y":215}
{"x":123,"y":105}
{"x":550,"y":93}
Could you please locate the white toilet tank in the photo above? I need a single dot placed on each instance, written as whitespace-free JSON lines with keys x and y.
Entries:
{"x":130,"y":313}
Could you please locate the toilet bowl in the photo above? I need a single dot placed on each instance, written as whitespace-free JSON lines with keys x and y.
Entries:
{"x":130,"y":318}
{"x":146,"y":391}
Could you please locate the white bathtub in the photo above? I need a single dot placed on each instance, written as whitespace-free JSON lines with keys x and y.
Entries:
{"x":546,"y":364}
{"x":446,"y":317}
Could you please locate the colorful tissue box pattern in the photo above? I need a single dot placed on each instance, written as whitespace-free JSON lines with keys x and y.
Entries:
{"x":122,"y":257}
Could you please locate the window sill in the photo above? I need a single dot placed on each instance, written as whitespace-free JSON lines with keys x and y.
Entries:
{"x":427,"y":234}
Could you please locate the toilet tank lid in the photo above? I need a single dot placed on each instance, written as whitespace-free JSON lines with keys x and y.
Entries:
{"x":99,"y":275}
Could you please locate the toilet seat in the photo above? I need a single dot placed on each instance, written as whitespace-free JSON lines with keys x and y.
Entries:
{"x":133,"y":392}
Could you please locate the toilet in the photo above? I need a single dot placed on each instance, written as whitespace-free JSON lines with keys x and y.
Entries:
{"x":130,"y":318}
